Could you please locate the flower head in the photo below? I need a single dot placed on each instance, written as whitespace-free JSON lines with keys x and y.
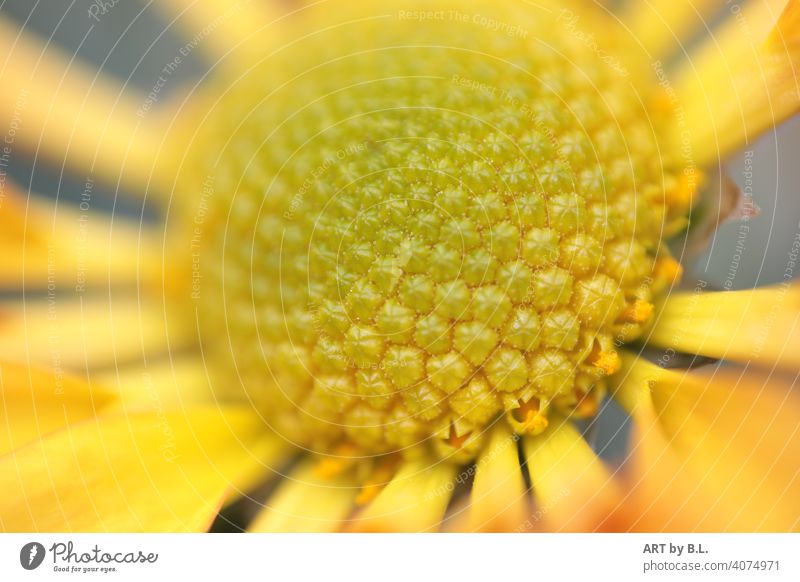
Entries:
{"x":407,"y":247}
{"x":434,"y":226}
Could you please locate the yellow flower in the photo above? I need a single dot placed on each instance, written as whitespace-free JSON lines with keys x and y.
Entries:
{"x":400,"y":249}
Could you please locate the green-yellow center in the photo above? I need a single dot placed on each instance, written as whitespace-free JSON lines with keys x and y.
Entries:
{"x":417,"y":224}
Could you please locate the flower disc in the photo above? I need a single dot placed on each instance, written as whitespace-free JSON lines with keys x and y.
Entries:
{"x":419,"y":223}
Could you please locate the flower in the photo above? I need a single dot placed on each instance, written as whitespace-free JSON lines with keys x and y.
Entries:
{"x":406,"y":247}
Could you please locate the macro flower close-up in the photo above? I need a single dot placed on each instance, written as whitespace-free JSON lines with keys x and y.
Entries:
{"x":402,"y":266}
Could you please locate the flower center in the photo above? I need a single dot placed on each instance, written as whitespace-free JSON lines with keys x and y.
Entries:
{"x":426,"y":222}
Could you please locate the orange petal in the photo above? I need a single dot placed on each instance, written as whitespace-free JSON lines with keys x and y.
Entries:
{"x":713,"y":451}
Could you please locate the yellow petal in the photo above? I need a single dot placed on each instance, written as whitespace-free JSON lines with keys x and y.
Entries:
{"x":712,"y":451}
{"x":414,"y":501}
{"x":70,"y":115}
{"x":180,"y":383}
{"x":739,"y":34}
{"x":760,"y":326}
{"x":176,"y":383}
{"x":36,"y":402}
{"x":499,"y":499}
{"x":306,"y":502}
{"x":143,"y":472}
{"x":744,"y":82}
{"x":662,"y":26}
{"x":230,"y":33}
{"x":573,"y":490}
{"x":45,"y":244}
{"x":87,"y":332}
